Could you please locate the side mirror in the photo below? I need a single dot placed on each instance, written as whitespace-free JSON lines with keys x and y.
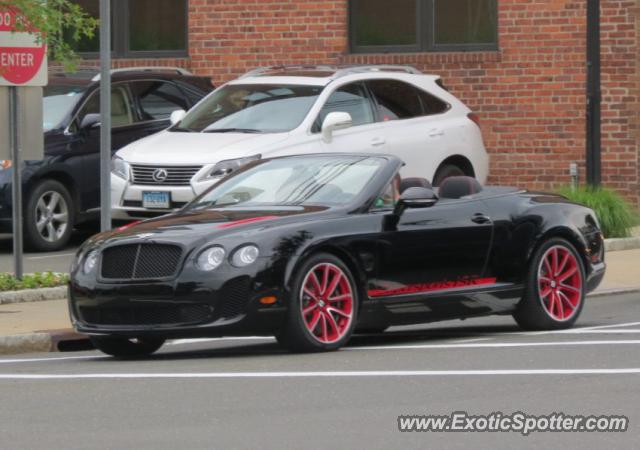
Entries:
{"x":416,"y":197}
{"x":177,"y":115}
{"x":91,"y":120}
{"x":335,"y":121}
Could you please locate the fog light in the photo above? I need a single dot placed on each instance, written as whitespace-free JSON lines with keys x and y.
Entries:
{"x":268,"y":300}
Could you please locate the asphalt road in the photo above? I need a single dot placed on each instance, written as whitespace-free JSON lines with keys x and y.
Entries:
{"x":248,"y":393}
{"x":42,"y":262}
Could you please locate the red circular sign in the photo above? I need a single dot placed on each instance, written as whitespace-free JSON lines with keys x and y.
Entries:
{"x":19,"y":64}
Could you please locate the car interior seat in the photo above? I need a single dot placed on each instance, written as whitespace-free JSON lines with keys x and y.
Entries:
{"x":458,"y":187}
{"x":407,"y":183}
{"x":120,"y":112}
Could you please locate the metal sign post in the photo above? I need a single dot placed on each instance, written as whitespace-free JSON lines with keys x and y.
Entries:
{"x":105,"y":115}
{"x":23,"y":65}
{"x":16,"y":182}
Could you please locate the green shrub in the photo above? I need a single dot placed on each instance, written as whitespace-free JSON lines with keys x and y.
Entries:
{"x":615,"y":214}
{"x":32,"y":281}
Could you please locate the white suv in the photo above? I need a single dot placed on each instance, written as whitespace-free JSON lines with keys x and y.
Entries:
{"x":288,"y":110}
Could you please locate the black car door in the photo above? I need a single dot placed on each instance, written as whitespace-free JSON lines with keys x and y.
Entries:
{"x":433,"y":253}
{"x":125,"y":128}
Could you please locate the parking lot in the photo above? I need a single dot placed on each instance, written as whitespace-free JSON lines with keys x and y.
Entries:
{"x":248,"y":393}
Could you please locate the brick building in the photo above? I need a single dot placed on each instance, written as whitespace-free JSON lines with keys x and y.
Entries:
{"x":520,"y":64}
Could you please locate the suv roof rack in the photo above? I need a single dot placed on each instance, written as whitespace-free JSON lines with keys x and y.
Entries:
{"x":178,"y":70}
{"x":338,"y":71}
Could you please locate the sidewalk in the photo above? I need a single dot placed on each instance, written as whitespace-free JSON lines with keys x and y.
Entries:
{"x":52,"y":318}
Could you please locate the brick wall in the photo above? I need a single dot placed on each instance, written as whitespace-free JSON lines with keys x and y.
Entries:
{"x":530,"y":95}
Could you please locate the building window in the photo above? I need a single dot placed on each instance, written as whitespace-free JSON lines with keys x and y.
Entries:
{"x":423,"y":25}
{"x":140,"y":28}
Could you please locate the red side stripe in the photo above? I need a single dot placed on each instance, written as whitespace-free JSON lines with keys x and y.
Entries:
{"x":431,"y":287}
{"x":236,"y":223}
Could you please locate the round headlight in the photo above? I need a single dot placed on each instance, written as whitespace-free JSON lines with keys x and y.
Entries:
{"x":90,"y":261}
{"x":211,"y":258}
{"x":245,"y":256}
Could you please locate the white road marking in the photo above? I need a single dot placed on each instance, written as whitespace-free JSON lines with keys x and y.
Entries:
{"x":465,"y":341}
{"x":491,"y":345}
{"x":238,"y":338}
{"x":9,"y":361}
{"x":49,"y":256}
{"x":609,"y":331}
{"x":350,"y":374}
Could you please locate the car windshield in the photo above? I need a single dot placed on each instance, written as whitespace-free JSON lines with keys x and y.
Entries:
{"x":57,"y":102}
{"x":314,"y":180}
{"x":246,"y":108}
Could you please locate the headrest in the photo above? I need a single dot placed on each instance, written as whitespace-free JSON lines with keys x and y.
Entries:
{"x":407,"y":183}
{"x":457,"y":187}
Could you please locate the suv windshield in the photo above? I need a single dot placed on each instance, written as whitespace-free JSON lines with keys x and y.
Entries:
{"x":320,"y":180}
{"x":251,"y":108}
{"x":58,"y":100}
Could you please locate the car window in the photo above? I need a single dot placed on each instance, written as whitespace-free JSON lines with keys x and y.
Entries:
{"x":352,"y":99}
{"x":121,"y":112}
{"x":266,"y":108}
{"x":399,"y":100}
{"x":58,"y":100}
{"x":292,"y":181}
{"x":158,"y":99}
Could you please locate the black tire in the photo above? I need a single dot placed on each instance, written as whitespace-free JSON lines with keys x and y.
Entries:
{"x":40,"y":237}
{"x":122,"y":347}
{"x":296,"y":335}
{"x":536,"y":312}
{"x":446,"y":171}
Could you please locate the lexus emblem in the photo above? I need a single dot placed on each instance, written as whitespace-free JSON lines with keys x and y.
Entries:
{"x":160,"y":175}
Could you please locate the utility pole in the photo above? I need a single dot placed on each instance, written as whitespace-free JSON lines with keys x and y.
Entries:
{"x":594,"y":95}
{"x":105,"y":115}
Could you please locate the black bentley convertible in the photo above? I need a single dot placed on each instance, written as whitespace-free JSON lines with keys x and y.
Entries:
{"x":312,"y":248}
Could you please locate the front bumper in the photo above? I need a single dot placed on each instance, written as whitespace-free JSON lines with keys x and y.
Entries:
{"x":221,"y":305}
{"x":595,"y":276}
{"x":126,"y":198}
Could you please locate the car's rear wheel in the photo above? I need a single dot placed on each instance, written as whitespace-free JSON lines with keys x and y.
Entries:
{"x":122,"y":347}
{"x":555,"y":288}
{"x":445,"y":171}
{"x":323,"y":306}
{"x":49,"y":216}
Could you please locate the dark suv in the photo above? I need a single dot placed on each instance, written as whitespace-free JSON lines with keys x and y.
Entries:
{"x":63,"y":189}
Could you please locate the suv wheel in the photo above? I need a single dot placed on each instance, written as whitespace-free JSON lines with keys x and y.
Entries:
{"x":446,"y":171}
{"x":49,"y":216}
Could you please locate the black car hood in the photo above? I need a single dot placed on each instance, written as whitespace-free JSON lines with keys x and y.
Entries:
{"x":192,"y":225}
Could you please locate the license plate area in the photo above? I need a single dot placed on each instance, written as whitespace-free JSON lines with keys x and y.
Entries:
{"x":156,"y":200}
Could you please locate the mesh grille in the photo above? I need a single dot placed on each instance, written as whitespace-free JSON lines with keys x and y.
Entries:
{"x":171,"y":176}
{"x":147,"y":315}
{"x":234,"y":296}
{"x":140,"y":261}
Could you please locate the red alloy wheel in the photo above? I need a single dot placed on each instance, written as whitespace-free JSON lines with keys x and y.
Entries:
{"x":560,"y":283}
{"x":327,"y":302}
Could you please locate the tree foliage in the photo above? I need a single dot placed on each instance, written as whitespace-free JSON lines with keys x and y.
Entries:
{"x":61,"y":23}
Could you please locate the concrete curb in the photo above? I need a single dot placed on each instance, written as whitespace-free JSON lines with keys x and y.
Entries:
{"x":617,"y":244}
{"x":616,"y":291}
{"x":44,"y":341}
{"x":33,"y":295}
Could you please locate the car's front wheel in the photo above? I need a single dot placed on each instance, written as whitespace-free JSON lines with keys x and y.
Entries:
{"x":122,"y":347}
{"x":323,"y":306}
{"x":49,"y":216}
{"x":555,"y":288}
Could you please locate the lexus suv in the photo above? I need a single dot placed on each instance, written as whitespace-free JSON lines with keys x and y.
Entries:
{"x":63,"y":189}
{"x":286,"y":110}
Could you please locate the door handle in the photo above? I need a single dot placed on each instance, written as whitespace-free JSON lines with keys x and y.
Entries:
{"x":377,"y":142}
{"x":480,"y":218}
{"x":436,"y":132}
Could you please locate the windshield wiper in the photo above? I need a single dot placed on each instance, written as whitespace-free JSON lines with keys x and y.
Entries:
{"x":232,"y":130}
{"x":182,"y":130}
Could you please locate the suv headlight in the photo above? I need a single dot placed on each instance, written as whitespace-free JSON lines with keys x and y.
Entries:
{"x":120,"y":167}
{"x":224,"y":168}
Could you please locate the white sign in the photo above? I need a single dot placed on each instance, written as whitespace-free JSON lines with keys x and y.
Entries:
{"x":23,"y":60}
